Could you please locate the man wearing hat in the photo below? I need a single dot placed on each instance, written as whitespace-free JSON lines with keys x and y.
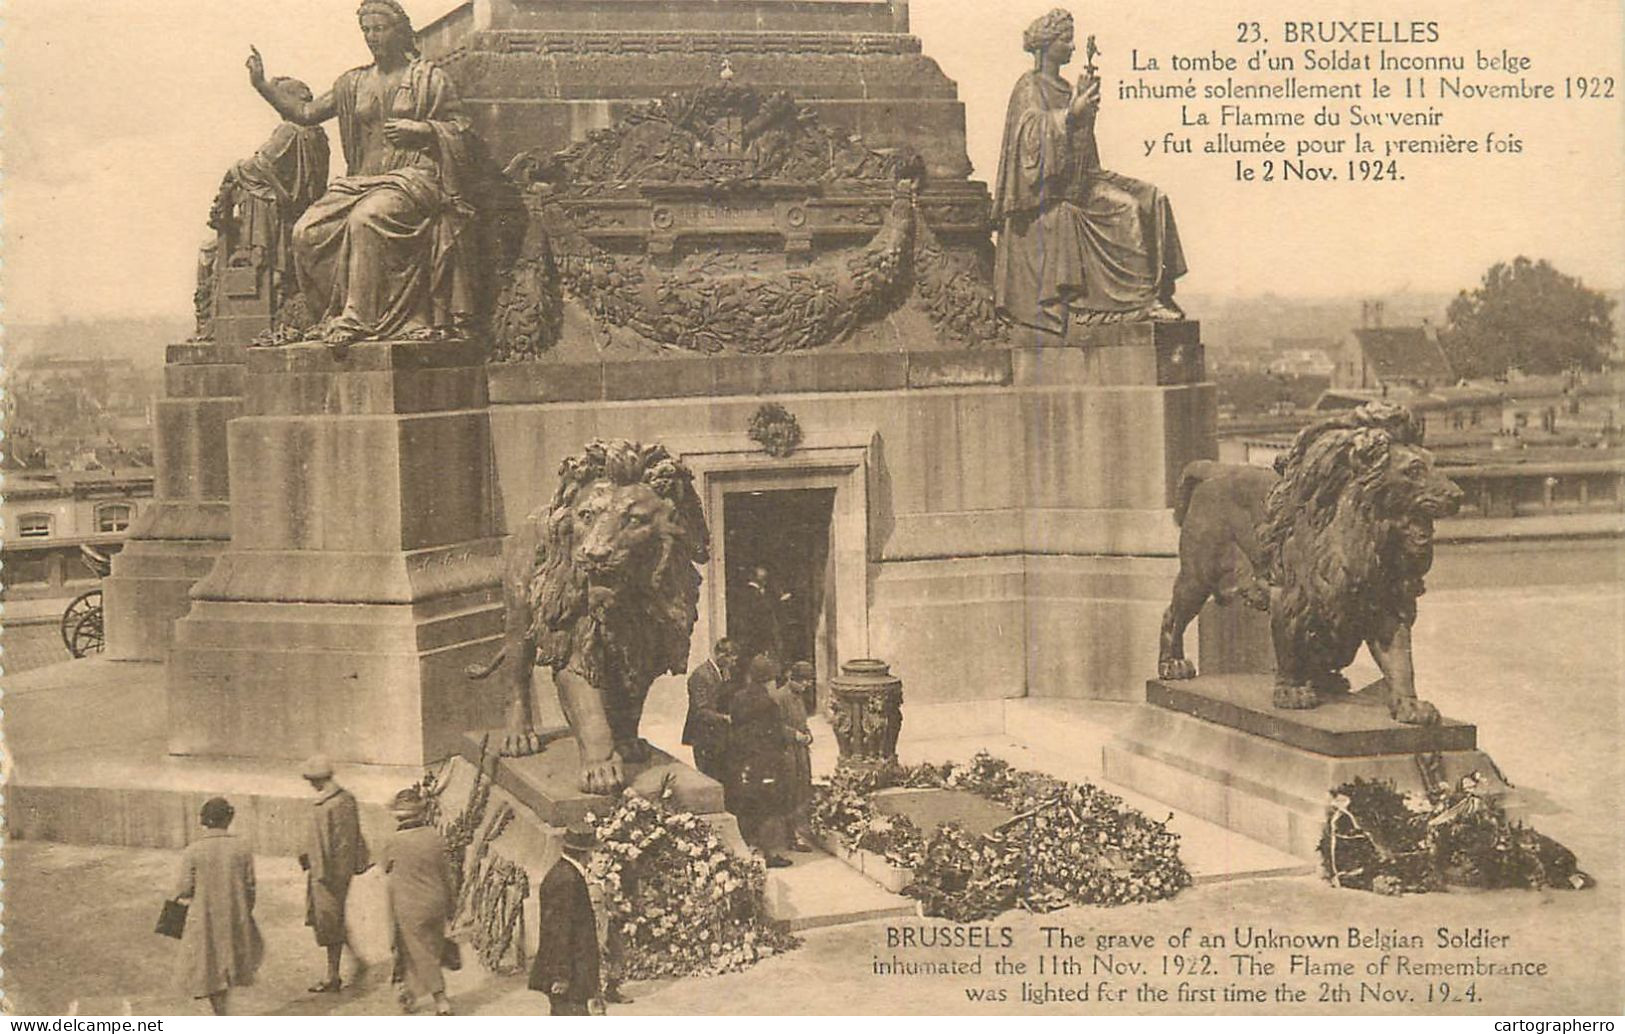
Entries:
{"x":334,"y":853}
{"x":566,"y":964}
{"x":706,"y":728}
{"x":421,"y":900}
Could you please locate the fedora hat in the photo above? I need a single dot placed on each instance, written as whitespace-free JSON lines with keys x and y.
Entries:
{"x":579,"y":838}
{"x":408,"y":804}
{"x":317,"y":767}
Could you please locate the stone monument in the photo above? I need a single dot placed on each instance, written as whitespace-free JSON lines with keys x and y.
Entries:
{"x":247,"y":287}
{"x":362,"y":572}
{"x":695,"y":220}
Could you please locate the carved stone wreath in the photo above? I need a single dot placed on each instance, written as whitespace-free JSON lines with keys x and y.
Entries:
{"x":731,"y":146}
{"x":775,"y":429}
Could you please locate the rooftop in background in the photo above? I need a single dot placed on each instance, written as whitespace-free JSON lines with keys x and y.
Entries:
{"x":44,"y":484}
{"x":1446,"y":397}
{"x":1586,"y":385}
{"x":1404,"y":354}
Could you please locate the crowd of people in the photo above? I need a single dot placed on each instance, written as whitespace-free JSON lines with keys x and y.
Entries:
{"x":747,"y":726}
{"x":221,"y":947}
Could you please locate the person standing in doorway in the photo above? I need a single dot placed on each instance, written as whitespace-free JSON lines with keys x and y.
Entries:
{"x":706,"y":728}
{"x":335,"y":853}
{"x":567,"y":958}
{"x":220,"y":945}
{"x":759,"y":625}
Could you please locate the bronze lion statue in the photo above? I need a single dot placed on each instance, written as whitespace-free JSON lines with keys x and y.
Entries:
{"x":1334,"y":545}
{"x":602,"y":586}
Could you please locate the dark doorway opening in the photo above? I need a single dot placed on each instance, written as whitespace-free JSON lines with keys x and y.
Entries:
{"x":776,"y":552}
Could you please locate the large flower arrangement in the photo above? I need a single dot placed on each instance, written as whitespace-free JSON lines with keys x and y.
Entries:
{"x":1380,"y":840}
{"x":683,"y":904}
{"x":1068,"y":843}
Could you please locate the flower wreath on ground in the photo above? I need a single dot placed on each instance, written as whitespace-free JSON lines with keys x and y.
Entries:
{"x":682,"y":903}
{"x":1067,"y":844}
{"x":1380,"y":840}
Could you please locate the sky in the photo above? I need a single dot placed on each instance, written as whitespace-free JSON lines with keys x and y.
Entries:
{"x":120,"y":117}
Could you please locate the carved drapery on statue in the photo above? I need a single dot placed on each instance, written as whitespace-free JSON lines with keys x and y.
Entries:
{"x":389,"y":250}
{"x":248,"y":268}
{"x":728,"y":220}
{"x":1076,"y":242}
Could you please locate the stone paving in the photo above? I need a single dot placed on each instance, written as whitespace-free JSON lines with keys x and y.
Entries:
{"x":1540,"y":670}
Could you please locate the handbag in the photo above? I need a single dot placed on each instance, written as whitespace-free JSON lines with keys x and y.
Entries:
{"x":451,"y":955}
{"x":171,"y":920}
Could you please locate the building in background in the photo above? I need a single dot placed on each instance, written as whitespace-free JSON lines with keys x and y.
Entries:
{"x":1389,"y":359}
{"x":45,"y":520}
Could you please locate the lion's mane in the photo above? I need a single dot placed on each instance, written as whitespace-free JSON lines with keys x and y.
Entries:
{"x":1342,"y":545}
{"x":640,"y":627}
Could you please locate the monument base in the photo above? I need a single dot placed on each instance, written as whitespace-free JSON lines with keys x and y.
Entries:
{"x":1215,"y":747}
{"x":380,"y":684}
{"x":89,"y":764}
{"x":361,"y":577}
{"x":545,"y":782}
{"x":176,"y":540}
{"x":149,"y":590}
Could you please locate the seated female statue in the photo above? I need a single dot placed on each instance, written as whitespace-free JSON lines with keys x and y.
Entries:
{"x":1077,"y":243}
{"x":387,"y":252}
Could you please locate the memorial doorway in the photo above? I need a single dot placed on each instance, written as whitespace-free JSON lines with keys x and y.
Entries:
{"x":778,"y":561}
{"x":804,"y":518}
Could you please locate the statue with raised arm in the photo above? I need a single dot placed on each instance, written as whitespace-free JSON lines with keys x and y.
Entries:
{"x":248,"y":268}
{"x":1076,"y":242}
{"x":388,"y":251}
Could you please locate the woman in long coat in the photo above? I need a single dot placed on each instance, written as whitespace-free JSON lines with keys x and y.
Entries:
{"x":220,"y":946}
{"x":420,"y":901}
{"x":798,"y":749}
{"x":758,"y":742}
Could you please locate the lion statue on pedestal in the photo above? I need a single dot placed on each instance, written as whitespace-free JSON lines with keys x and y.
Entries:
{"x":1335,"y":548}
{"x":602,"y":586}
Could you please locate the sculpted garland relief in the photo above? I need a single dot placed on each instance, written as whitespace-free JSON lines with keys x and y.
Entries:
{"x":726,"y":220}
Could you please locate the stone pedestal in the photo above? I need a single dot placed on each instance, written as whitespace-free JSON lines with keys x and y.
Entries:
{"x":1111,"y":416}
{"x":362,"y":573}
{"x":539,"y":72}
{"x":546,"y":782}
{"x":178,"y":538}
{"x":1216,"y":747}
{"x":1233,"y":639}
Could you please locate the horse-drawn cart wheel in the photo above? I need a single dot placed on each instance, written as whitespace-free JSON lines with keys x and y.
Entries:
{"x":82,"y":624}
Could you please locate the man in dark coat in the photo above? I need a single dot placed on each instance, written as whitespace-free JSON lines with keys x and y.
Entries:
{"x":566,"y":964}
{"x":758,"y":621}
{"x":706,"y":729}
{"x":334,"y":853}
